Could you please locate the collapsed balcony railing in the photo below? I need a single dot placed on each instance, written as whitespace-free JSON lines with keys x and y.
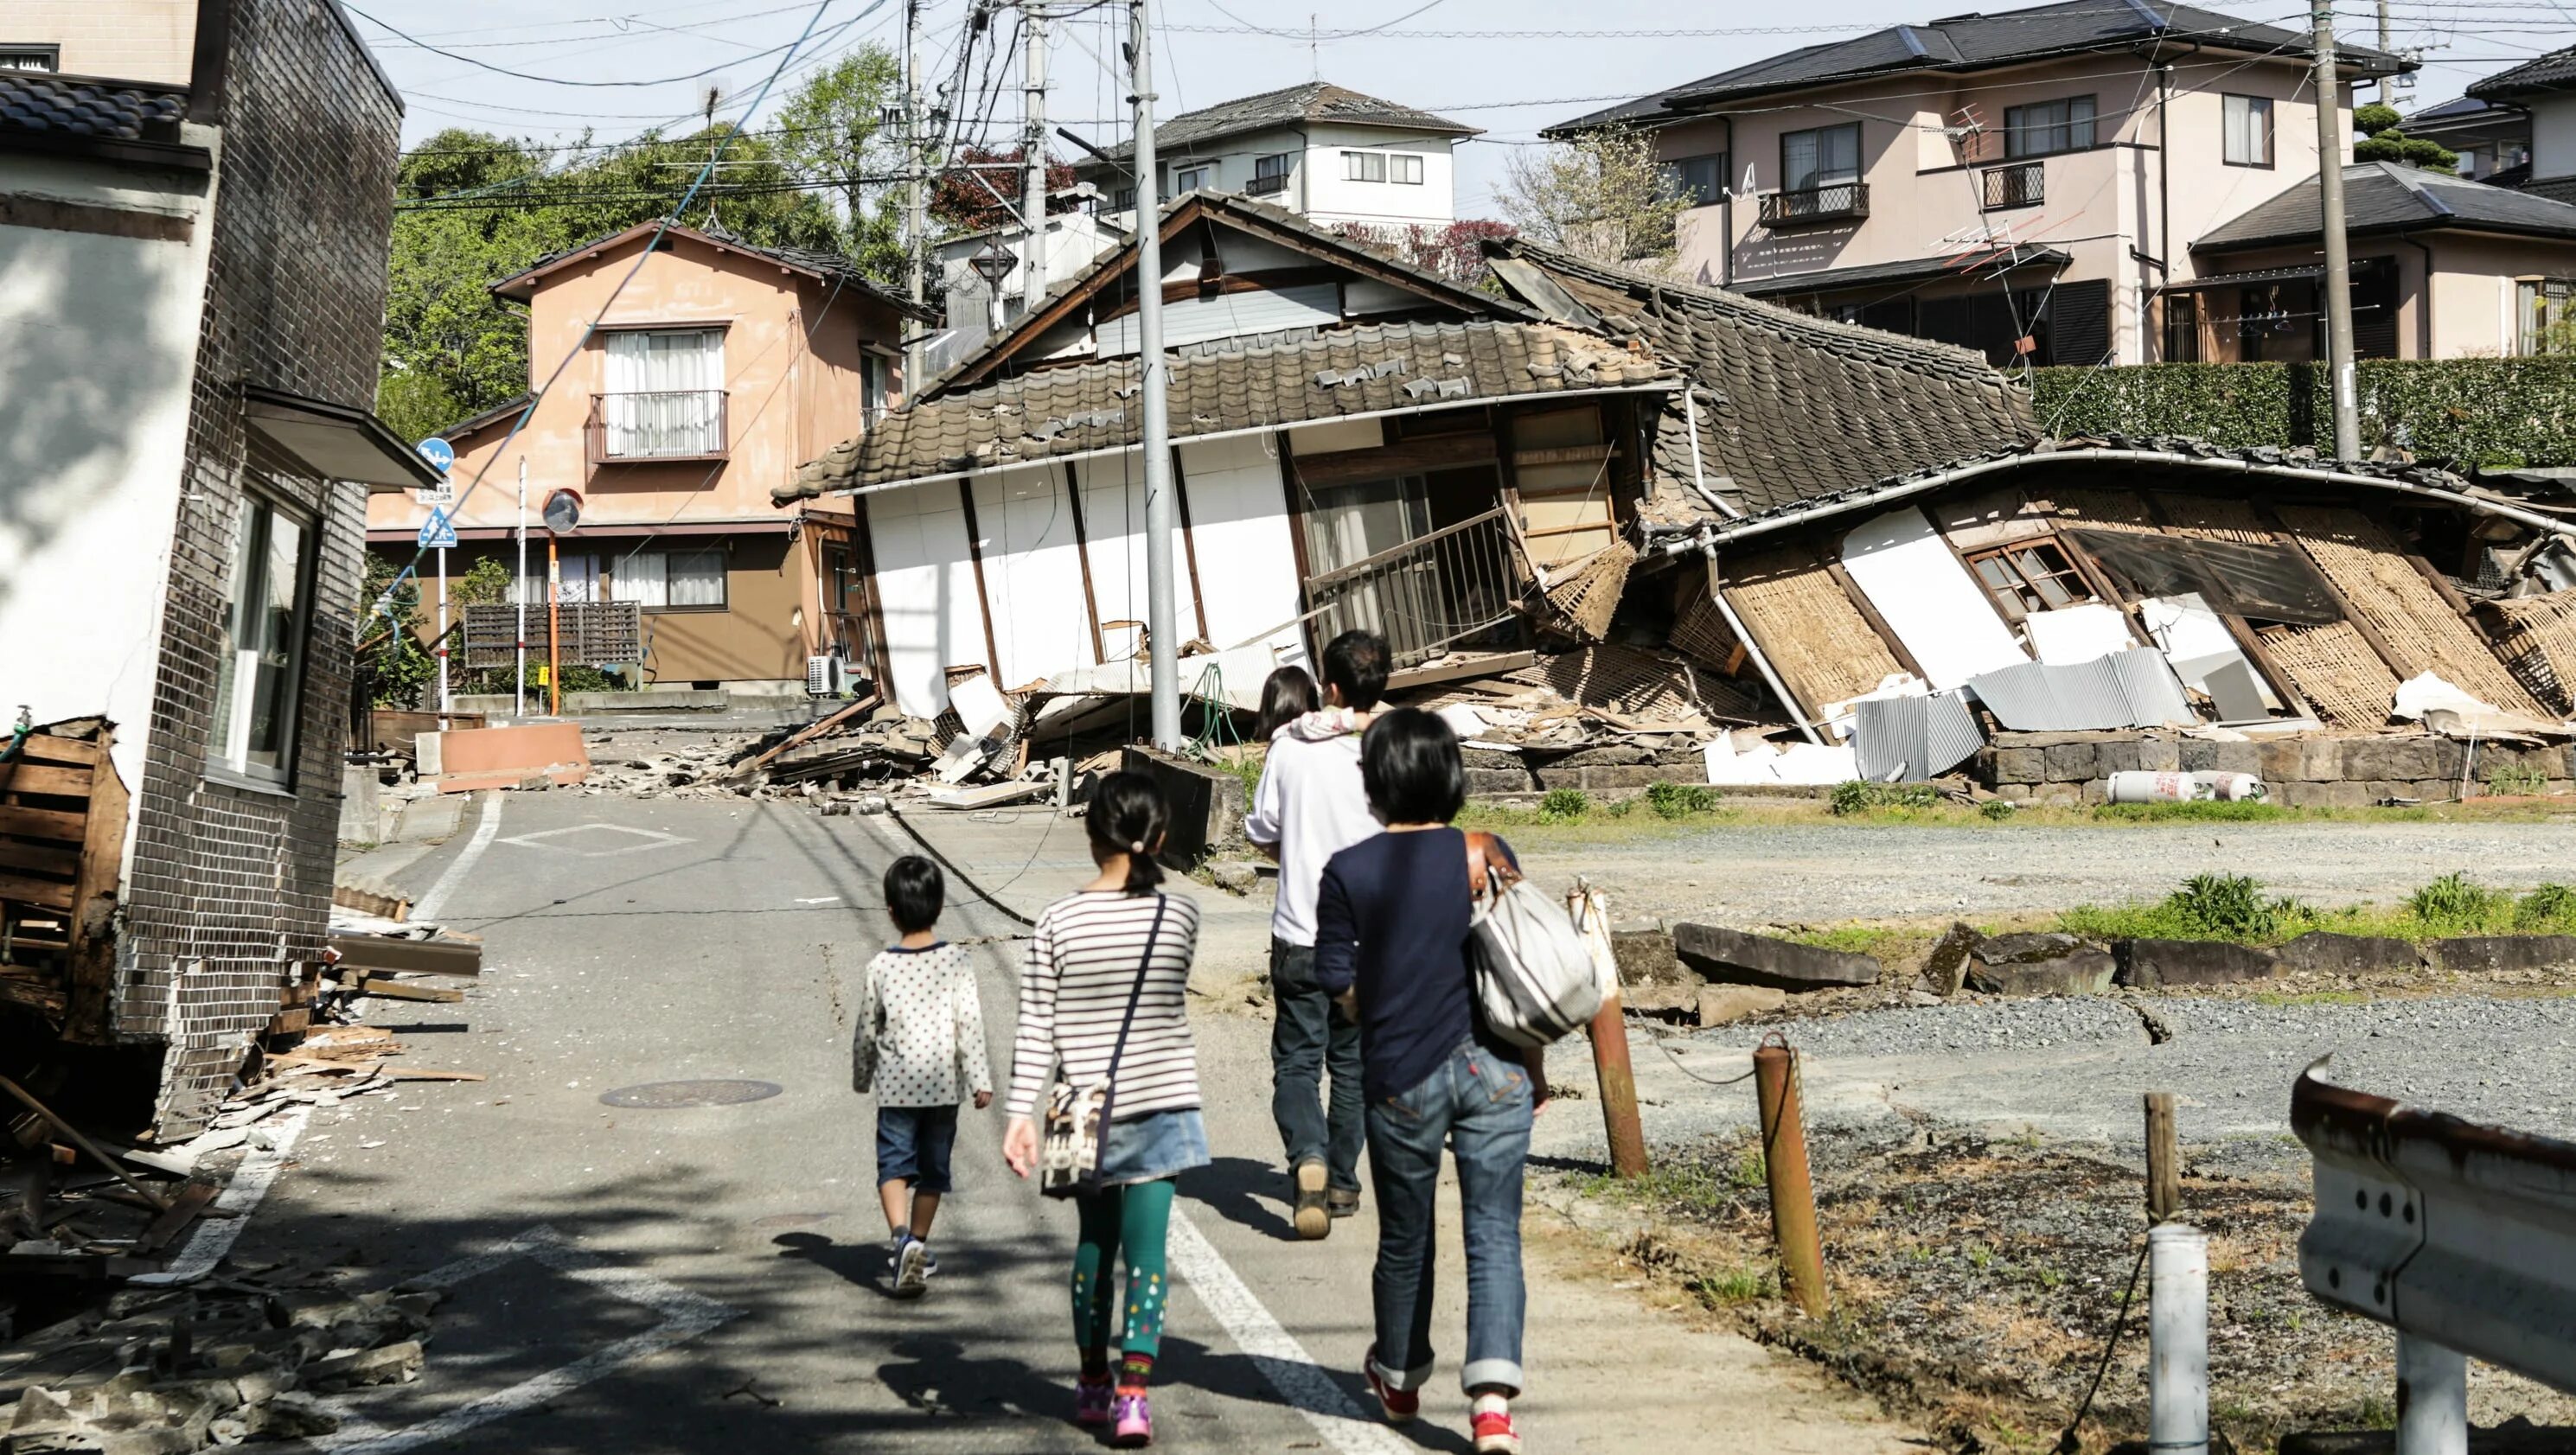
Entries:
{"x":1428,"y":594}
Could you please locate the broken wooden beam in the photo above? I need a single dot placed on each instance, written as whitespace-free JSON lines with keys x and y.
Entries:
{"x":85,"y":1144}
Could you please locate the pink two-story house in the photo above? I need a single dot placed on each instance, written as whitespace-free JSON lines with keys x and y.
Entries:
{"x":2029,"y":183}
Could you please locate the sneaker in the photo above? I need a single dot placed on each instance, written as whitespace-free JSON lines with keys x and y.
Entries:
{"x":1314,"y":1214}
{"x":1343,"y":1202}
{"x":1398,"y":1405}
{"x":1091,"y":1400}
{"x":912,"y":1269}
{"x":1495,"y":1435}
{"x":1135,"y":1422}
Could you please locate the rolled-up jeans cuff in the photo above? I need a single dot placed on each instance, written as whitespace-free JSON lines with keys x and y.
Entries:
{"x":1502,"y":1373}
{"x":1405,"y":1379}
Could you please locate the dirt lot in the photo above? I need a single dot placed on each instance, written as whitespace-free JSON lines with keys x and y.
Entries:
{"x":1975,"y":1281}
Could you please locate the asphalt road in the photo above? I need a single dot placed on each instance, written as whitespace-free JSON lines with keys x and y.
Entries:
{"x":710,"y":1278}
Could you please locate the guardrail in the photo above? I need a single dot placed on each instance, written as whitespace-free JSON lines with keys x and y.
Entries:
{"x":2459,"y":1236}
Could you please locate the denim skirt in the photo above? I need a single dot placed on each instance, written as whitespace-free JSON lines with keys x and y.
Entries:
{"x":1156,"y":1145}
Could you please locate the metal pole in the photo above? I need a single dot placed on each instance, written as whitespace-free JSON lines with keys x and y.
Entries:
{"x":519,"y":590}
{"x":2338,"y":280}
{"x":446,"y":700}
{"x":554,"y":619}
{"x":1162,"y":602}
{"x":2432,"y":1398}
{"x":1033,"y":157}
{"x":916,"y":227}
{"x":1784,"y":1166}
{"x":2177,"y":1340}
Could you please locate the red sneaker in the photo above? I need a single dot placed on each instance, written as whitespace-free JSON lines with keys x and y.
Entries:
{"x":1495,"y":1435}
{"x":1398,"y":1405}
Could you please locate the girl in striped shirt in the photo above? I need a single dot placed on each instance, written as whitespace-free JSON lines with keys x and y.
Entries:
{"x":1085,"y":961}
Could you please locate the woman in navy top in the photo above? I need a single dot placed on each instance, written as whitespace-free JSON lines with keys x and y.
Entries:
{"x":1391,"y":930}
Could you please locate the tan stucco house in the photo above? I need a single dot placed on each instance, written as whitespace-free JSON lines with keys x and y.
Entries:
{"x":718,"y":369}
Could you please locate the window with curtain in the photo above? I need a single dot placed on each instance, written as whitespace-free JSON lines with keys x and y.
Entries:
{"x":669,"y":580}
{"x":665,"y":396}
{"x":1823,"y":156}
{"x":1363,"y":166}
{"x":259,"y":669}
{"x":872,"y":389}
{"x":2048,"y":127}
{"x":2247,"y":124}
{"x":1194,"y":179}
{"x":2548,"y":323}
{"x":1696,"y":180}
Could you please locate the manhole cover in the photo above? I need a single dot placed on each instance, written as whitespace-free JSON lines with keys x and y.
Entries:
{"x":692,"y":1093}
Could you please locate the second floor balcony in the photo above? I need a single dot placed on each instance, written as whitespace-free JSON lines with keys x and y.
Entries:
{"x":1264,"y":184}
{"x":1814,"y":206}
{"x":660,"y":424}
{"x":2014,"y":184}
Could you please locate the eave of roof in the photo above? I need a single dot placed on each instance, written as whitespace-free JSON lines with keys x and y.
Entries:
{"x":2425,"y":202}
{"x":1964,"y":265}
{"x":2553,"y":71}
{"x":1177,"y":135}
{"x":475,"y":424}
{"x":521,"y":285}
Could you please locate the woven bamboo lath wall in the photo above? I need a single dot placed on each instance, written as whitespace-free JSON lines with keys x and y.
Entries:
{"x":1586,"y":595}
{"x":2385,"y":590}
{"x":2101,"y":510}
{"x":2199,"y":517}
{"x":2536,"y":636}
{"x":1814,"y":637}
{"x":1699,"y":628}
{"x":2336,"y":671}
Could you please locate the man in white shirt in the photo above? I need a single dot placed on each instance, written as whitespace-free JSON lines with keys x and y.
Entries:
{"x":1309,"y":807}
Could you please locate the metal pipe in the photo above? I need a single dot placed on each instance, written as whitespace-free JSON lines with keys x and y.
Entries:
{"x":519,"y":589}
{"x":1699,"y":475}
{"x":2177,"y":1340}
{"x":1162,"y":608}
{"x":2432,"y":1398}
{"x":1784,"y":1166}
{"x":554,"y":627}
{"x":1753,"y":649}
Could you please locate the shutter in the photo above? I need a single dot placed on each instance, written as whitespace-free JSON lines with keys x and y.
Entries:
{"x":2079,"y":323}
{"x":1949,"y":321}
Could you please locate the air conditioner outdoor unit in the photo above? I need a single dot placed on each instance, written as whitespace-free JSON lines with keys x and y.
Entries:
{"x":828,"y":676}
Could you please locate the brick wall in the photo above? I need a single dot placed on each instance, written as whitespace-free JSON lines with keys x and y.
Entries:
{"x":229,"y":888}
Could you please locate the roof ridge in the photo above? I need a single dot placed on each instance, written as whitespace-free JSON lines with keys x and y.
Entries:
{"x":2397,"y":172}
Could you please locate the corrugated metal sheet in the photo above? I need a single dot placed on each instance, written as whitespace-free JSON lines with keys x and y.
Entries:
{"x":2124,"y":689}
{"x":1910,"y":738}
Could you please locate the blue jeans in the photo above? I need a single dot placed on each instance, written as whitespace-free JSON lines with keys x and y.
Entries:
{"x":913,"y":1145}
{"x":1479,"y":1104}
{"x":1310,"y":1037}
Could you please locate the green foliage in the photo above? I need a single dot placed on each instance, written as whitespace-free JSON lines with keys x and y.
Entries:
{"x":1680,"y":800}
{"x":1601,"y":196}
{"x":2414,"y":151}
{"x":2232,"y":907}
{"x":392,"y":666}
{"x":1563,"y":805}
{"x":2372,"y":118}
{"x":2453,"y":904}
{"x":2516,"y":782}
{"x":832,"y":135}
{"x":2469,"y":411}
{"x":485,"y":583}
{"x":2548,"y":910}
{"x":2197,"y":810}
{"x":1996,"y":810}
{"x":1856,"y":797}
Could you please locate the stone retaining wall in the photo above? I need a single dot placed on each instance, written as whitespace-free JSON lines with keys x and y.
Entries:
{"x":2316,"y":771}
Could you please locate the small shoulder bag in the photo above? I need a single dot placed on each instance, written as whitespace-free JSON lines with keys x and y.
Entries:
{"x":1077,"y":1117}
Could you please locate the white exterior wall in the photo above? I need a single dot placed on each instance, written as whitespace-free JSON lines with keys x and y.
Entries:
{"x":926,"y":590}
{"x":2553,"y":136}
{"x":1032,"y":574}
{"x":1328,"y":196}
{"x":98,"y":349}
{"x":1247,"y":560}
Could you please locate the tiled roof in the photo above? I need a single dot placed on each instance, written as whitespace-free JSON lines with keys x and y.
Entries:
{"x":820,"y":264}
{"x":1978,"y":42}
{"x":2552,"y":72}
{"x":1314,"y":101}
{"x":1289,"y":227}
{"x":1792,"y":407}
{"x":1910,"y":270}
{"x":1089,"y":408}
{"x":81,"y":106}
{"x":2560,"y":189}
{"x":2387,"y":196}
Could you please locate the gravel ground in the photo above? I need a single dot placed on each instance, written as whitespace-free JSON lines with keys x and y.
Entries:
{"x":1750,"y":872}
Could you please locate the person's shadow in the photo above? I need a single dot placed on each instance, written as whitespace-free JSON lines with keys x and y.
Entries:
{"x":869,"y":1265}
{"x":1241,"y":1191}
{"x":934,"y":1374}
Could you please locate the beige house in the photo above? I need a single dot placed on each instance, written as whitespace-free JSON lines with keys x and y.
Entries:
{"x":720,"y":367}
{"x":2029,"y":183}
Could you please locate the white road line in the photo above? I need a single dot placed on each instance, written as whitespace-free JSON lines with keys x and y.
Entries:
{"x":428,"y":905}
{"x":232,"y":1208}
{"x":1300,"y":1381}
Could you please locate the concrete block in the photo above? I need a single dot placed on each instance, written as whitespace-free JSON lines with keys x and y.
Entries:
{"x":1946,"y":968}
{"x":2484,"y":954}
{"x":1733,"y":957}
{"x":2096,"y":791}
{"x":2333,"y":954}
{"x":2070,"y":763}
{"x":1646,"y":957}
{"x":2380,"y":790}
{"x":2437,"y":790}
{"x":360,"y":815}
{"x":2021,"y":765}
{"x":2392,"y":758}
{"x":2154,"y":964}
{"x":2038,"y":964}
{"x":1207,"y":803}
{"x":1483,"y":780}
{"x":1719,"y":1004}
{"x":506,"y":757}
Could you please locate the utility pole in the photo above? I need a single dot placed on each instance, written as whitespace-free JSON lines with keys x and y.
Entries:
{"x":916,"y":218}
{"x":1033,"y":157}
{"x":2383,"y":27}
{"x":1162,"y":605}
{"x":2338,"y":281}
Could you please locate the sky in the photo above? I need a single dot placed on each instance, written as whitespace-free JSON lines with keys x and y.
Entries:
{"x":1506,"y":66}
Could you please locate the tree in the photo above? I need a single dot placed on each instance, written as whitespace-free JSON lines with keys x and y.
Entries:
{"x":961,"y":203}
{"x":831,"y":136}
{"x":2383,"y":142}
{"x":1455,"y":252}
{"x":1601,"y":196}
{"x":392,"y":665}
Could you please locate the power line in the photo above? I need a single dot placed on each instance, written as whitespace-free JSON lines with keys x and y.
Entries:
{"x":563,"y":81}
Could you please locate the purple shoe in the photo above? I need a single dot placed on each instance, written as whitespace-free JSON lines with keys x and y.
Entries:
{"x":1091,"y":1401}
{"x":1135,"y":1423}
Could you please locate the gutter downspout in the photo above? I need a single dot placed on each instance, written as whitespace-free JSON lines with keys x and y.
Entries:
{"x":1753,"y":649}
{"x":1699,"y":479}
{"x":2164,"y":201}
{"x":2423,"y":300}
{"x":1726,"y":248}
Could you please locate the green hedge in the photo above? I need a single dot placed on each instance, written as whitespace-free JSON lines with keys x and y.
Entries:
{"x":2466,"y":411}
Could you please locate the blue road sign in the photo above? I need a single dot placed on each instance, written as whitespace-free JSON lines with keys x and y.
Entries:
{"x":438,"y":532}
{"x":440,"y":454}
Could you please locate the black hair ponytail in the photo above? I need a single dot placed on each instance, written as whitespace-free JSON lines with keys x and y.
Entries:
{"x":1128,"y":816}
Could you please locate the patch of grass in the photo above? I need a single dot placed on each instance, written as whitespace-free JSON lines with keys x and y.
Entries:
{"x":2454,"y":904}
{"x":1739,"y":1285}
{"x":1995,"y":810}
{"x":2229,"y":907}
{"x":1852,"y":939}
{"x":2516,"y":782}
{"x":1856,"y":797}
{"x":2548,"y":910}
{"x":1564,"y":805}
{"x":1751,"y":1171}
{"x":2197,"y":811}
{"x":1680,"y":800}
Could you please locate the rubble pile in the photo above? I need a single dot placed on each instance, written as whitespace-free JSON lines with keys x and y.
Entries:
{"x":248,"y":1356}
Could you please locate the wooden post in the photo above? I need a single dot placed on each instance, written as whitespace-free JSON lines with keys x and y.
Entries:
{"x":2164,"y":1159}
{"x":1611,"y":1069}
{"x":1784,"y":1166}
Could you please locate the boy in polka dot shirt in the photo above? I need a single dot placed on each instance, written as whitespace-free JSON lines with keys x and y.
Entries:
{"x":920,"y":1047}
